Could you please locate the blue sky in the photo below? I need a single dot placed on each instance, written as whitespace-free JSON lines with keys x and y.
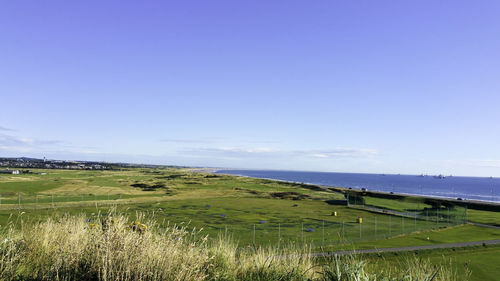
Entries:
{"x":347,"y":86}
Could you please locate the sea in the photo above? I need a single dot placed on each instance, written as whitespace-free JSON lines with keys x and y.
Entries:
{"x":467,"y":188}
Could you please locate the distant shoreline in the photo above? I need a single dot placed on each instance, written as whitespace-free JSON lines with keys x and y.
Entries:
{"x":359,"y":190}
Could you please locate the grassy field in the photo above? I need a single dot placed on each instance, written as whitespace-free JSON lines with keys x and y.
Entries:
{"x":482,"y":262}
{"x":249,"y":211}
{"x":492,"y":218}
{"x":252,"y":211}
{"x":110,"y":247}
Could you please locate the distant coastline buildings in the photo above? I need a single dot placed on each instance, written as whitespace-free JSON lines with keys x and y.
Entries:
{"x":8,"y":171}
{"x":24,"y":162}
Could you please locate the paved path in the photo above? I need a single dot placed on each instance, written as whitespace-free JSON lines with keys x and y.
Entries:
{"x":412,"y":248}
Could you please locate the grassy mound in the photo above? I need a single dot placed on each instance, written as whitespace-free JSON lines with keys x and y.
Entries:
{"x":114,"y":248}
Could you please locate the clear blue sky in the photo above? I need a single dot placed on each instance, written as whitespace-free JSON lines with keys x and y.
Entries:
{"x":348,"y":86}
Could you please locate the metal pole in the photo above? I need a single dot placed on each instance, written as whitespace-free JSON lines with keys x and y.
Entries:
{"x":390,"y":234}
{"x":375,"y":228}
{"x":360,"y":230}
{"x":415,"y":222}
{"x":253,"y":234}
{"x":0,"y":200}
{"x":19,"y":200}
{"x":465,"y":220}
{"x":343,"y":233}
{"x":36,"y":201}
{"x":52,"y":200}
{"x":302,"y":234}
{"x":279,"y":235}
{"x":323,"y":236}
{"x":403,"y":224}
{"x":437,"y":216}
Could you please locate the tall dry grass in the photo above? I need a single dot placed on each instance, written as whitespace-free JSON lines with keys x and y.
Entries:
{"x":113,"y":248}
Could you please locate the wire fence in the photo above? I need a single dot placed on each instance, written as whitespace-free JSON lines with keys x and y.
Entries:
{"x":337,"y":230}
{"x":325,"y":233}
{"x":43,"y":201}
{"x":379,"y":222}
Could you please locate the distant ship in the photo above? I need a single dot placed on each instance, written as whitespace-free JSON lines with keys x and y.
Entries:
{"x":439,"y":177}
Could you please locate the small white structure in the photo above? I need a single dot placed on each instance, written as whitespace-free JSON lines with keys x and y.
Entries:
{"x":12,"y":172}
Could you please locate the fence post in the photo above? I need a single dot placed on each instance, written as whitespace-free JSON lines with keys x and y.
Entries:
{"x":465,"y":219}
{"x":225,"y":233}
{"x":375,"y":228}
{"x":302,"y":234}
{"x":36,"y":201}
{"x":403,"y":224}
{"x":0,"y":200}
{"x":253,"y":235}
{"x":415,"y":222}
{"x":390,"y":234}
{"x":323,"y":236}
{"x":343,"y":232}
{"x":437,"y":217}
{"x":19,"y":200}
{"x":279,"y":235}
{"x":360,"y":224}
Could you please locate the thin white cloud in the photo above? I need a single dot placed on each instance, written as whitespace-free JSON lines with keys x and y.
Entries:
{"x":343,"y":152}
{"x":484,"y":163}
{"x":23,"y":144}
{"x":216,"y":140}
{"x":6,"y":140}
{"x":236,"y":152}
{"x":489,"y":163}
{"x":190,"y":141}
{"x":6,"y":129}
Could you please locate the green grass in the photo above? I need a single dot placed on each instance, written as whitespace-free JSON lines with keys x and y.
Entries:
{"x":403,"y":205}
{"x":245,"y":202}
{"x":464,"y":233}
{"x":117,"y":247}
{"x":482,"y":262}
{"x":486,"y":217}
{"x":27,"y":187}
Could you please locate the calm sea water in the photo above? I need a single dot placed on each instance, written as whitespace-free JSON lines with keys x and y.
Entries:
{"x":472,"y":188}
